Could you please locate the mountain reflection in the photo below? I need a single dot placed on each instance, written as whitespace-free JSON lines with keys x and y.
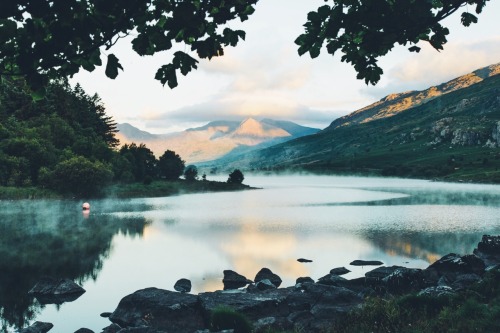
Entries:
{"x":50,"y":238}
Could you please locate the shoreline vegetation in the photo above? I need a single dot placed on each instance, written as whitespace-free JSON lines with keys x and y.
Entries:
{"x":158,"y":188}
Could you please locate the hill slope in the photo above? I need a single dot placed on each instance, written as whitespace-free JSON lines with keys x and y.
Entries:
{"x":453,"y":133}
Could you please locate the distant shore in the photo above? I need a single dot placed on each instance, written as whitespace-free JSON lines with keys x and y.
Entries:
{"x":134,"y":190}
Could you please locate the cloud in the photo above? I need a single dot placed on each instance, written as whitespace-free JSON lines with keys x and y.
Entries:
{"x":430,"y":67}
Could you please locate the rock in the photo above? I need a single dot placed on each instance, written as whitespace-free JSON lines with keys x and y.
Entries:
{"x":339,"y":271}
{"x":105,"y":314}
{"x":159,"y":309}
{"x":265,"y":273}
{"x":265,"y":285}
{"x":84,"y":330}
{"x":113,"y":328}
{"x":253,"y":305}
{"x":56,"y":291}
{"x":456,"y":264}
{"x":142,"y":329}
{"x":304,"y":260}
{"x":438,"y":291}
{"x":366,"y":263}
{"x":404,"y":280}
{"x":464,"y":281}
{"x":330,"y":279}
{"x":381,"y":272}
{"x":233,"y":280}
{"x":183,"y":286}
{"x":304,"y":280}
{"x":489,"y":244}
{"x":37,"y":327}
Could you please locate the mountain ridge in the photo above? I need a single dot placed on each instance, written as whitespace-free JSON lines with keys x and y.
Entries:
{"x":215,"y":139}
{"x":453,"y":135}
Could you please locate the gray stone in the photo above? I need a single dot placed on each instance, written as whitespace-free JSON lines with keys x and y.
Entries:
{"x":404,"y":280}
{"x":233,"y":280}
{"x":456,"y":264}
{"x":84,"y":330}
{"x":37,"y":327}
{"x":438,"y":291}
{"x":265,"y":285}
{"x":183,"y":285}
{"x":56,"y":291}
{"x":366,"y":263}
{"x":159,"y":309}
{"x":464,"y":281}
{"x":381,"y":272}
{"x":331,"y":279}
{"x":113,"y":328}
{"x":266,"y":273}
{"x":304,"y":280}
{"x":339,"y":271}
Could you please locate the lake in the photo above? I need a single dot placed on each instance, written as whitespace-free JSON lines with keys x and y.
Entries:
{"x":126,"y":245}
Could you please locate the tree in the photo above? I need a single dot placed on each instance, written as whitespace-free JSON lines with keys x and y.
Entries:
{"x":79,"y":176}
{"x":236,"y":177}
{"x":141,"y":160}
{"x":191,"y":173}
{"x":44,"y":40}
{"x":170,"y":165}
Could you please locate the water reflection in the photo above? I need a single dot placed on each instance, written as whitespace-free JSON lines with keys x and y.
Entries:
{"x":50,"y":238}
{"x":127,"y":245}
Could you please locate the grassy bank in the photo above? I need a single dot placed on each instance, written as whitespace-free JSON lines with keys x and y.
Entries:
{"x":135,"y":190}
{"x":167,"y":188}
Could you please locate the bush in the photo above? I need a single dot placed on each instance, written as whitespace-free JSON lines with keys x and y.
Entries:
{"x":236,"y":177}
{"x":224,"y":318}
{"x":191,"y":173}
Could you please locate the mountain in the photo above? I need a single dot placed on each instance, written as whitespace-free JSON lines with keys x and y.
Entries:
{"x":216,"y":139}
{"x":450,"y":131}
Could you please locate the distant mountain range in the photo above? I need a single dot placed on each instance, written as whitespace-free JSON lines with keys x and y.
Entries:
{"x":216,"y":139}
{"x":449,"y":131}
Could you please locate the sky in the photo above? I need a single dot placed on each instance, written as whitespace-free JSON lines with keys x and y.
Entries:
{"x":264,"y":77}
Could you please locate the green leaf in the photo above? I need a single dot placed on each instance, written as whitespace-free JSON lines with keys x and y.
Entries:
{"x":112,"y":66}
{"x":467,"y":19}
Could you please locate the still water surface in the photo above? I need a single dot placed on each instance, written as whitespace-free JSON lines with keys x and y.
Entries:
{"x":126,"y":245}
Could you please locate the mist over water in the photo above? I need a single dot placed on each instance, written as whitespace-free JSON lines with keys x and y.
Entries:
{"x":126,"y":245}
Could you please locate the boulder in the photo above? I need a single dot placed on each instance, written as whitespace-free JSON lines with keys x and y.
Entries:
{"x":233,"y":280}
{"x":183,"y":285}
{"x":455,"y":264}
{"x":304,"y":280}
{"x":37,"y":327}
{"x":113,"y":328}
{"x":366,"y":263}
{"x":265,"y":285}
{"x":331,"y":279}
{"x":381,"y":272}
{"x":404,"y":280}
{"x":489,"y":244}
{"x":339,"y":271}
{"x":159,"y":309}
{"x":56,"y":291}
{"x":105,"y":314}
{"x":464,"y":281}
{"x":253,"y":305}
{"x":266,"y":273}
{"x":438,"y":291}
{"x":84,"y":330}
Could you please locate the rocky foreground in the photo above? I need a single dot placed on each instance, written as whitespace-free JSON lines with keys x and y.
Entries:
{"x":306,"y":307}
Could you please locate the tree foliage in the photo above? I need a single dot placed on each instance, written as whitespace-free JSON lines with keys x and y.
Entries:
{"x":170,"y":165}
{"x":43,"y":40}
{"x":365,"y":30}
{"x":236,"y":177}
{"x":191,"y":173}
{"x":50,"y":39}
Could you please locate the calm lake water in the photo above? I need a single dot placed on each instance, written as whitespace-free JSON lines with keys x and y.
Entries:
{"x":126,"y":245}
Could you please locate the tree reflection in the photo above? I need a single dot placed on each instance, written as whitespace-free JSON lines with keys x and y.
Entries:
{"x":50,"y":239}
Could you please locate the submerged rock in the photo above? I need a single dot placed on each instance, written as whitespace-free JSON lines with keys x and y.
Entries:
{"x":84,"y":330}
{"x":266,"y":273}
{"x":56,"y":291}
{"x":366,"y":263}
{"x":233,"y":280}
{"x":37,"y":327}
{"x":304,"y":260}
{"x":339,"y":271}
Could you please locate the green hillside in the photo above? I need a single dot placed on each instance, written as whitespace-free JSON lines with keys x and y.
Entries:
{"x":453,"y":136}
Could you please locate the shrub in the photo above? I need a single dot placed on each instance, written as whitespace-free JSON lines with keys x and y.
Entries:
{"x":224,"y":318}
